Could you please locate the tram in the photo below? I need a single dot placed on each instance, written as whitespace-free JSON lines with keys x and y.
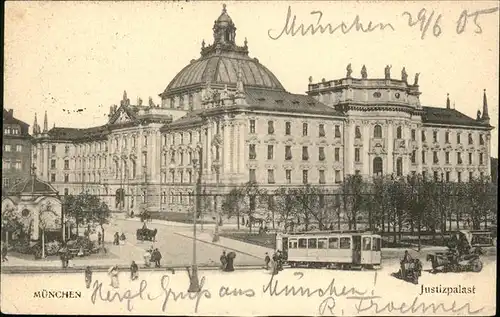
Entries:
{"x":331,"y":249}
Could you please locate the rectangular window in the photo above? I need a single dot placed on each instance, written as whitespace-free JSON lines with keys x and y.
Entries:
{"x":458,"y":138}
{"x":66,"y":192}
{"x":19,"y":148}
{"x":471,"y":176}
{"x":293,"y":244}
{"x":303,"y":243}
{"x":304,"y":129}
{"x":321,"y":130}
{"x":190,"y":176}
{"x":345,"y":243}
{"x":52,"y":164}
{"x":470,"y":158}
{"x":367,"y":243}
{"x":270,"y":152}
{"x":181,"y":176}
{"x":459,"y":177}
{"x":288,"y":176}
{"x":270,"y":127}
{"x":322,"y":177}
{"x":312,"y":243}
{"x":53,"y":149}
{"x":288,"y":152}
{"x":481,"y":139}
{"x":423,"y":136}
{"x":305,"y":153}
{"x":414,"y":156}
{"x":333,"y":243}
{"x":17,"y":165}
{"x":435,"y":136}
{"x":436,"y":176}
{"x":252,"y":126}
{"x":252,"y":177}
{"x":288,"y":128}
{"x":304,"y":176}
{"x":7,"y":147}
{"x":337,"y":131}
{"x":322,"y":243}
{"x":435,"y":157}
{"x":423,"y":157}
{"x":52,"y":177}
{"x":337,"y":177}
{"x":6,"y":182}
{"x":413,"y":134}
{"x":270,"y":176}
{"x":357,"y":154}
{"x":66,"y":178}
{"x":459,"y":158}
{"x":251,"y":152}
{"x":66,"y":164}
{"x":447,"y":137}
{"x":337,"y":154}
{"x":321,"y":153}
{"x":481,"y":161}
{"x":471,"y":140}
{"x":447,"y":176}
{"x":447,"y":157}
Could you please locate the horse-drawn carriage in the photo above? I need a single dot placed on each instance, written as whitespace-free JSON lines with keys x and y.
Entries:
{"x":460,"y":257}
{"x":145,"y":234}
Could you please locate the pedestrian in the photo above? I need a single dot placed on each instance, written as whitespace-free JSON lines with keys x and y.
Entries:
{"x":88,"y":276}
{"x":134,"y":269}
{"x":122,"y":238}
{"x":99,"y":238}
{"x":116,"y":239}
{"x":157,"y":257}
{"x":147,"y":258}
{"x":223,"y":260}
{"x":113,"y":274}
{"x":4,"y":252}
{"x":267,"y":259}
{"x":230,"y":262}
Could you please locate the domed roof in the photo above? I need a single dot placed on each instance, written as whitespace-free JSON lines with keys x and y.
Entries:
{"x":220,"y":62}
{"x":32,"y":185}
{"x":220,"y":69}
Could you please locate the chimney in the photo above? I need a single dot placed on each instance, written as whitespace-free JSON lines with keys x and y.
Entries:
{"x":11,"y":113}
{"x":447,"y":101}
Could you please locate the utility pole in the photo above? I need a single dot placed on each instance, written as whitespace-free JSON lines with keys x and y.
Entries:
{"x":194,"y":283}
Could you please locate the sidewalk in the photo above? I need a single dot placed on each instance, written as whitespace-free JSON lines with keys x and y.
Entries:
{"x":180,"y":224}
{"x":229,"y":244}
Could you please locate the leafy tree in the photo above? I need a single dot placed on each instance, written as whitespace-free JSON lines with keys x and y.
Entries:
{"x":100,"y":215}
{"x":232,"y":204}
{"x":11,"y":222}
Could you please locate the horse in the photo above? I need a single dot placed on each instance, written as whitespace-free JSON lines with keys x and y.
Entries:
{"x":146,"y":234}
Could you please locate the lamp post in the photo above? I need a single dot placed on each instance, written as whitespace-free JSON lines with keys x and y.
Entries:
{"x":194,"y":283}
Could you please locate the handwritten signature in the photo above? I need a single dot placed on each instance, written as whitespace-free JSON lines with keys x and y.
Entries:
{"x":365,"y":301}
{"x":423,"y":20}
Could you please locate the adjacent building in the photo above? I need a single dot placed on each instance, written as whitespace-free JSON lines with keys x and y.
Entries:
{"x":228,"y":117}
{"x":16,"y":154}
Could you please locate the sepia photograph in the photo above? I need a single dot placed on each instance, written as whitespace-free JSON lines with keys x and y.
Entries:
{"x":250,"y":158}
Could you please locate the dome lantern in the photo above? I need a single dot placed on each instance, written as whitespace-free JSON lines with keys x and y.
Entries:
{"x":224,"y":29}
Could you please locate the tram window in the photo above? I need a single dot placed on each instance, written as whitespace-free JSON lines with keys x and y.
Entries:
{"x":376,"y":244}
{"x":333,"y":243}
{"x":302,"y":243}
{"x":312,"y":243}
{"x":367,"y":244}
{"x":345,"y":243}
{"x":292,"y":244}
{"x":322,"y":244}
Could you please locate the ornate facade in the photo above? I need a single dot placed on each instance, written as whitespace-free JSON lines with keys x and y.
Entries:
{"x":228,"y":117}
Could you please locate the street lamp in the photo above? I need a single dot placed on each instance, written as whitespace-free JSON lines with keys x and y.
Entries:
{"x":194,"y":283}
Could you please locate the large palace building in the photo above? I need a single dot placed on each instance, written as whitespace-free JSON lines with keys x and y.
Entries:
{"x":228,"y":117}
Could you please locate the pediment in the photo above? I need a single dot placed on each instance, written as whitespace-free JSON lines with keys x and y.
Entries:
{"x":122,"y":116}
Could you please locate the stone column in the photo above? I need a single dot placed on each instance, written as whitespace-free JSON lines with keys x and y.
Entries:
{"x":226,"y":149}
{"x":241,"y":151}
{"x":350,"y":145}
{"x":419,"y":151}
{"x":366,"y":149}
{"x":208,"y":150}
{"x":233,"y":148}
{"x":46,"y":162}
{"x":390,"y":148}
{"x":348,"y":160}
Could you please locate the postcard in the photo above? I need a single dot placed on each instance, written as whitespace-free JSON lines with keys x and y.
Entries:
{"x":250,"y":158}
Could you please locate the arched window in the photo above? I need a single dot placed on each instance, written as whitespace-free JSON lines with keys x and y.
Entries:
{"x":377,"y":166}
{"x":399,"y":166}
{"x":377,"y":131}
{"x":399,"y":133}
{"x":358,"y":132}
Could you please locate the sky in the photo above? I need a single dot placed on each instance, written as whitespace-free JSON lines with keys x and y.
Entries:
{"x":65,"y":56}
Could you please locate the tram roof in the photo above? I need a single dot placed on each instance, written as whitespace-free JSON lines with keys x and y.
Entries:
{"x":332,"y":232}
